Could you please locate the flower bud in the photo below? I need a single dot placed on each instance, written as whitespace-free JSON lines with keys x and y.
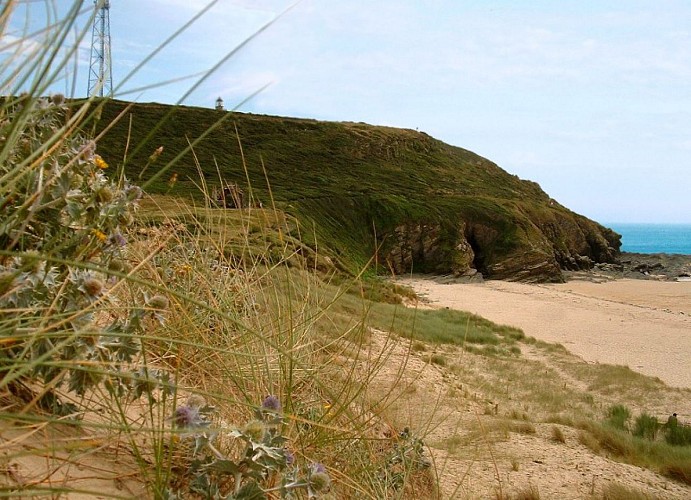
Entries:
{"x":126,"y":218}
{"x":116,"y":265}
{"x":31,"y":262}
{"x":158,"y":302}
{"x":104,"y":194}
{"x":7,"y":281}
{"x":196,"y":401}
{"x":93,"y":287}
{"x":58,"y":99}
{"x":255,"y":430}
{"x":319,"y":479}
{"x":134,"y":193}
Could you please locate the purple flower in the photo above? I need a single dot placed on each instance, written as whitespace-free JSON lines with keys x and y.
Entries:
{"x":187,"y":416}
{"x":117,"y":239}
{"x":317,"y":467}
{"x":289,"y":456}
{"x":319,"y":479}
{"x":271,"y":403}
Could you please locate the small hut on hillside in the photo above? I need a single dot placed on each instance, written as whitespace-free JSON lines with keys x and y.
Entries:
{"x":230,"y":195}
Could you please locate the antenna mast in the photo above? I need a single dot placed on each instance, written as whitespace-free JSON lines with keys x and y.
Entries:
{"x":100,"y":67}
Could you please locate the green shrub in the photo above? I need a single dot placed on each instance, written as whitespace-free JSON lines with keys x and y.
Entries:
{"x":618,"y":416}
{"x":671,"y":461}
{"x":437,"y":359}
{"x":679,"y":470}
{"x":646,"y":427}
{"x":678,"y":435}
{"x":615,"y":491}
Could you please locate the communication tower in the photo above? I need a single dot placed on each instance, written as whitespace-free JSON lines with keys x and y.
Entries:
{"x":100,"y":66}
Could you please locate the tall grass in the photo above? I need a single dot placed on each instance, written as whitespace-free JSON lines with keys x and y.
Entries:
{"x":149,"y":355}
{"x":670,"y":460}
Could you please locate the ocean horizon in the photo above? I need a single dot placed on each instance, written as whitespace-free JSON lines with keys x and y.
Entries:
{"x":653,"y":237}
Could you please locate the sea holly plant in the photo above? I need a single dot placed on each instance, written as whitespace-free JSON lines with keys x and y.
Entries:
{"x":62,"y":244}
{"x":259,"y":465}
{"x":405,"y":457}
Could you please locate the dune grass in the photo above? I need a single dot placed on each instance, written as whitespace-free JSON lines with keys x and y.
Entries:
{"x":179,"y":330}
{"x":669,"y":460}
{"x":155,"y":348}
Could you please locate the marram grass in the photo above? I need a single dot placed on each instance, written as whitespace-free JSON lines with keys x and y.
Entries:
{"x":164,"y":358}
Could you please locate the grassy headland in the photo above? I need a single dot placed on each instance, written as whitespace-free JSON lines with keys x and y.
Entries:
{"x":356,"y":188}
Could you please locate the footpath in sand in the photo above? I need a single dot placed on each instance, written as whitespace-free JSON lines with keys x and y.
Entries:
{"x":507,"y":426}
{"x":645,"y":325}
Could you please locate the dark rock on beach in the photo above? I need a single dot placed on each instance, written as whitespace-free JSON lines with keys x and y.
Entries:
{"x":657,"y":266}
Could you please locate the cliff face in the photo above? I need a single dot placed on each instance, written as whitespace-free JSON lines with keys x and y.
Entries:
{"x":541,"y":248}
{"x":414,"y":203}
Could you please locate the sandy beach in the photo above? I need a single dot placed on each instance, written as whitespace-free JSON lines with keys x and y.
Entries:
{"x":645,"y":325}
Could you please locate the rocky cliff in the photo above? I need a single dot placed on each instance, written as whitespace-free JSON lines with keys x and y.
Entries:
{"x":395,"y":197}
{"x":539,"y":248}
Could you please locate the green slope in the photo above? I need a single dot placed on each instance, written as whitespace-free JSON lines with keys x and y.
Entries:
{"x":428,"y":206}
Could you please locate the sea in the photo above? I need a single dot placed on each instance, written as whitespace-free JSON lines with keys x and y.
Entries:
{"x":654,"y":238}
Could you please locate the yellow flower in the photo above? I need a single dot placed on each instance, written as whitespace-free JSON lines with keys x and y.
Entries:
{"x":183,"y":269}
{"x":100,"y":235}
{"x":100,"y":162}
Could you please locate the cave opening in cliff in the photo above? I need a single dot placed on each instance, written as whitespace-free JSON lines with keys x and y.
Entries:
{"x":479,"y":257}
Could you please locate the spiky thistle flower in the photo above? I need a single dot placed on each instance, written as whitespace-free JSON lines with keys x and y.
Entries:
{"x":271,"y":403}
{"x":319,"y":479}
{"x":158,"y":302}
{"x":255,"y":430}
{"x":117,"y":239}
{"x":187,"y":416}
{"x":93,"y":287}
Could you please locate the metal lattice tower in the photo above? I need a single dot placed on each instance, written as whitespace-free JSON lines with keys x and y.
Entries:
{"x":100,"y":66}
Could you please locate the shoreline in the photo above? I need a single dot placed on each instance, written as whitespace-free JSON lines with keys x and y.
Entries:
{"x":644,"y":324}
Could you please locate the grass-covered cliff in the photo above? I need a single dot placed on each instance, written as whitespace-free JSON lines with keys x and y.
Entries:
{"x":411,"y":201}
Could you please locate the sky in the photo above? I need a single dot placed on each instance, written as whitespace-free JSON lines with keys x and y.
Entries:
{"x":589,"y":98}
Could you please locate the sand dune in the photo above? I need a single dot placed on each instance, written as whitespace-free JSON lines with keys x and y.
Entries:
{"x":645,"y":325}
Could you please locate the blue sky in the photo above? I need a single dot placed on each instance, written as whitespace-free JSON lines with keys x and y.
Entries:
{"x":588,"y":98}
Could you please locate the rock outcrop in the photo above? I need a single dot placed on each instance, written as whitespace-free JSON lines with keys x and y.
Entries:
{"x":426,"y":247}
{"x":539,"y":251}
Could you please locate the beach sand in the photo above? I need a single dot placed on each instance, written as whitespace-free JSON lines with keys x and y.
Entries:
{"x":645,"y":325}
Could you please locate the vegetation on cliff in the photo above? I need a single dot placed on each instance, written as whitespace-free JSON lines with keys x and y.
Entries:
{"x":399,"y":197}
